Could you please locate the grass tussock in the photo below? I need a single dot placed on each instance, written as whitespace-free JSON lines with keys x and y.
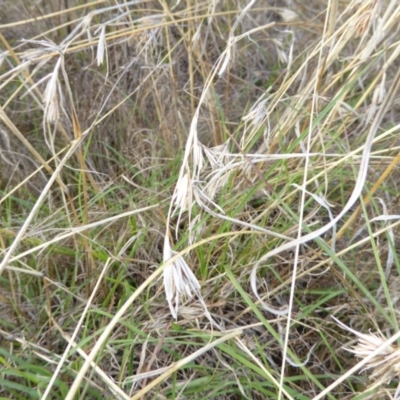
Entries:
{"x":190,"y":191}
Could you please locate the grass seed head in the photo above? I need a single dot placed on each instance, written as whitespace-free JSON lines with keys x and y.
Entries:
{"x":384,"y":366}
{"x":288,"y":15}
{"x":367,"y":10}
{"x":101,"y":48}
{"x":179,"y":280}
{"x":51,"y":95}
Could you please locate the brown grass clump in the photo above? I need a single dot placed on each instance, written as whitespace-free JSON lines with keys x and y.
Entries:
{"x":189,"y":191}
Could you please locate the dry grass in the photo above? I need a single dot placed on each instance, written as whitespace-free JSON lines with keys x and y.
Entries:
{"x":190,"y":191}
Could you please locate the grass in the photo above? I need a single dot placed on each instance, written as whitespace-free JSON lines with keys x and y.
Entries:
{"x":199,"y":200}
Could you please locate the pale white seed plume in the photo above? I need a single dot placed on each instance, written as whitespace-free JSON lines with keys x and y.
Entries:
{"x":195,"y":228}
{"x":384,"y":366}
{"x":205,"y":202}
{"x":364,"y":15}
{"x":291,"y":35}
{"x":198,"y":159}
{"x":282,"y":56}
{"x":218,"y":178}
{"x":217,"y":156}
{"x":42,"y":47}
{"x":216,"y":182}
{"x":101,"y":47}
{"x":256,"y":119}
{"x":2,"y":57}
{"x":6,"y":148}
{"x":51,"y":95}
{"x":227,"y":54}
{"x":149,"y":38}
{"x":183,"y":197}
{"x":377,"y":99}
{"x":84,"y":25}
{"x":86,"y":21}
{"x":366,"y":11}
{"x":211,"y":10}
{"x":196,"y":37}
{"x":288,"y":15}
{"x":179,"y":280}
{"x":258,"y":113}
